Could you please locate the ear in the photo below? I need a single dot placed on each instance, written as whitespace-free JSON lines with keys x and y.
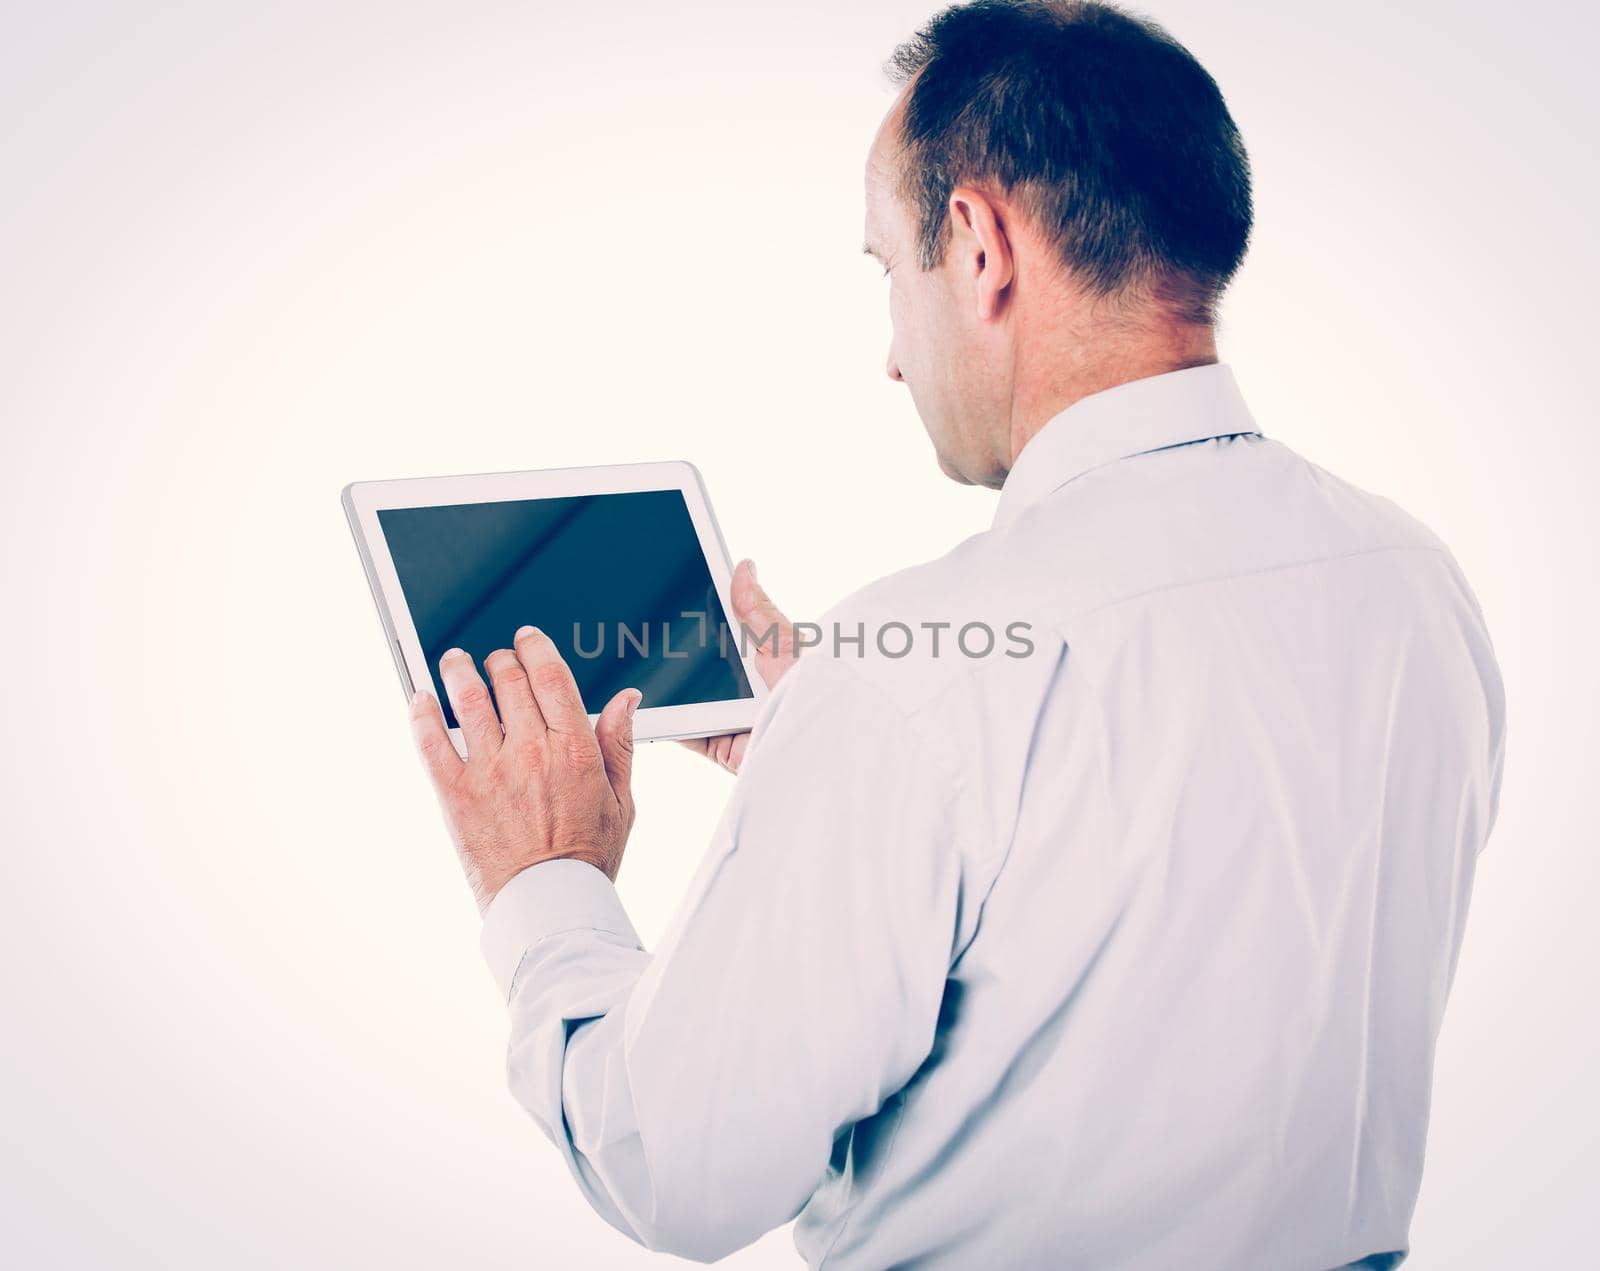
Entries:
{"x":981,"y":248}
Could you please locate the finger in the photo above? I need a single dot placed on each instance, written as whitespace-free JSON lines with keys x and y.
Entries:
{"x":438,"y":752}
{"x":769,"y":632}
{"x":751,"y":604}
{"x":726,"y":750}
{"x":700,"y":746}
{"x":614,"y":730}
{"x":554,"y":689}
{"x":469,"y":698}
{"x":519,"y":713}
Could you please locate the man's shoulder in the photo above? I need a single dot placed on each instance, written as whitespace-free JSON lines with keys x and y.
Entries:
{"x":1201,"y":515}
{"x":992,"y":615}
{"x":1378,"y":520}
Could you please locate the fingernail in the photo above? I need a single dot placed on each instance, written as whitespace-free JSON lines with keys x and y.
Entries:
{"x":752,"y":571}
{"x":633,"y":702}
{"x":454,"y":653}
{"x":526,"y":633}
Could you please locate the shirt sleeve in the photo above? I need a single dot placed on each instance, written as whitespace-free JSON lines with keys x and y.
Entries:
{"x":696,"y":1093}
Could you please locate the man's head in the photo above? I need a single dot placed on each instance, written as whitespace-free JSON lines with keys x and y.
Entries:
{"x":1059,"y":197}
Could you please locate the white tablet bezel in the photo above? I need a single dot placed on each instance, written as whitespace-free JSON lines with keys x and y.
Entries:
{"x":364,"y":499}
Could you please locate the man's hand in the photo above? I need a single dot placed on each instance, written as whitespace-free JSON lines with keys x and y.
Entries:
{"x":545,"y":785}
{"x":753,"y":609}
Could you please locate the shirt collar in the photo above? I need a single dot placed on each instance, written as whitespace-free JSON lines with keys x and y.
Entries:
{"x":1194,"y":404}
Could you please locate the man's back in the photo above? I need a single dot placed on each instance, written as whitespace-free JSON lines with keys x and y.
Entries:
{"x":1088,"y":901}
{"x":1222,"y":841}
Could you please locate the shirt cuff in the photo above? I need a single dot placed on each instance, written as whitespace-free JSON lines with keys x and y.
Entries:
{"x":544,"y":899}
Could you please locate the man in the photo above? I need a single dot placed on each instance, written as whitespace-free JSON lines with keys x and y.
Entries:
{"x":1123,"y":947}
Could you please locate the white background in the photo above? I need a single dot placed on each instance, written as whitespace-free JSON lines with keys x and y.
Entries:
{"x":251,"y":252}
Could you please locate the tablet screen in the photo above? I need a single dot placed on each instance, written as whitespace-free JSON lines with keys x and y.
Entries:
{"x":617,"y":581}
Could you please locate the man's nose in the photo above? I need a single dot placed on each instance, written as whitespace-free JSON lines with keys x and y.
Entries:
{"x":894,"y":370}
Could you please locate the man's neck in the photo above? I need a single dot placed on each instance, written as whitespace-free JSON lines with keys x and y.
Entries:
{"x":1061,"y":381}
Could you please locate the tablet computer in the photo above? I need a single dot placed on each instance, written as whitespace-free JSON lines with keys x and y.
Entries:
{"x":622,"y":566}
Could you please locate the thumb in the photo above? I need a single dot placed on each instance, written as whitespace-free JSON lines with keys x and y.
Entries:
{"x":614,"y":731}
{"x":764,"y":622}
{"x":751,"y":604}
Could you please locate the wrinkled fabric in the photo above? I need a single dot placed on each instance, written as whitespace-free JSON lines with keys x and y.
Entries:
{"x":1127,"y":953}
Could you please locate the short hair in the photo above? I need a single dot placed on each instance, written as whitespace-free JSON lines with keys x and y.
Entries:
{"x":1112,"y":137}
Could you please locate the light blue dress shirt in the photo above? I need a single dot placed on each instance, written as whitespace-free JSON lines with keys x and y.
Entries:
{"x":1128,"y":952}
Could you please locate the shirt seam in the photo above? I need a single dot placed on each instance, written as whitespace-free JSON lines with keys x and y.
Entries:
{"x":955,"y":785}
{"x":978,"y":667}
{"x":1002,"y":856}
{"x":1284,"y":567}
{"x":531,"y":945}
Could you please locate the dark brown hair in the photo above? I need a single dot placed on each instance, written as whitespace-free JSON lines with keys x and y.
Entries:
{"x":1113,"y":138}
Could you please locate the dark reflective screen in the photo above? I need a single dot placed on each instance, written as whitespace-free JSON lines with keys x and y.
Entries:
{"x":618,"y":581}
